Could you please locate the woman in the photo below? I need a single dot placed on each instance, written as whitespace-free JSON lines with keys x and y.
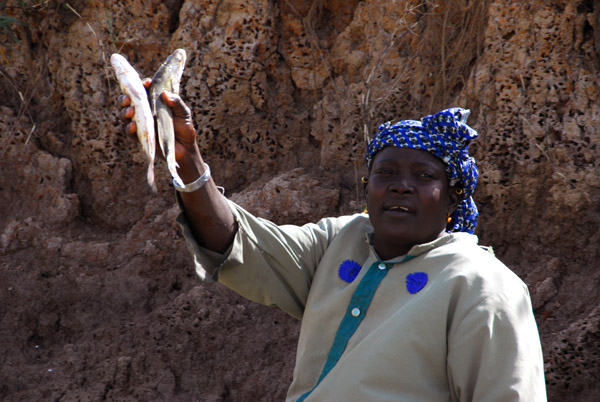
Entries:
{"x":399,"y":304}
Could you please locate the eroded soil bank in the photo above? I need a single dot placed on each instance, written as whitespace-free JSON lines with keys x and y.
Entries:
{"x":98,"y":300}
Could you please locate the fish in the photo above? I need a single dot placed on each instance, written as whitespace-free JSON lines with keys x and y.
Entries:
{"x":167,"y":78}
{"x":131,"y":85}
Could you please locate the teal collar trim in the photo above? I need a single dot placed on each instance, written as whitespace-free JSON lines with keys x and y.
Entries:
{"x":356,"y":311}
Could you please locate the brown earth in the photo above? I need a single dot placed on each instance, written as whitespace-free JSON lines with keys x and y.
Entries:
{"x":98,"y":298}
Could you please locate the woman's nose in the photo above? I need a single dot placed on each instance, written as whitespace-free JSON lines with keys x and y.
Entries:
{"x":402,"y":184}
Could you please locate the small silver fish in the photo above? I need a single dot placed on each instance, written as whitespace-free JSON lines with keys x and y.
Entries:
{"x":167,"y":78}
{"x":131,"y":85}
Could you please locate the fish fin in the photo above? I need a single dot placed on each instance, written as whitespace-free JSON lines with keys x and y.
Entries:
{"x":164,"y":124}
{"x":151,"y":178}
{"x":161,"y":135}
{"x":178,"y":180}
{"x":172,"y":166}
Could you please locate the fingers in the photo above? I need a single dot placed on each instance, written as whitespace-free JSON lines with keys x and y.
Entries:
{"x":123,"y":101}
{"x":146,"y":82}
{"x":131,"y":129}
{"x":126,"y":114}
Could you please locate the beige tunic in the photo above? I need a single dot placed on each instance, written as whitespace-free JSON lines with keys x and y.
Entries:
{"x":468,"y":335}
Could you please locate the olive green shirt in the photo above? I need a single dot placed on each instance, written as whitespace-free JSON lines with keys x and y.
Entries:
{"x":466,"y":334}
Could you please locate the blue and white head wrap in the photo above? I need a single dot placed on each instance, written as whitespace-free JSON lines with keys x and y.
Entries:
{"x":445,"y":135}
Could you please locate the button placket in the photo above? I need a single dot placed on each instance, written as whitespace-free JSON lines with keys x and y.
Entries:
{"x":361,"y":298}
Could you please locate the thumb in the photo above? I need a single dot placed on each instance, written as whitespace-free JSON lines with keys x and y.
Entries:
{"x":176,"y":104}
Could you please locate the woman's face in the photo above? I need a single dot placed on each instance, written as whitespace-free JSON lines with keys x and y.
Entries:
{"x":408,"y":199}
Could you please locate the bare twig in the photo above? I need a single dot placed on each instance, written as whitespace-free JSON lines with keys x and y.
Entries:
{"x":547,"y":156}
{"x":307,"y":23}
{"x":365,"y":99}
{"x":25,"y":101}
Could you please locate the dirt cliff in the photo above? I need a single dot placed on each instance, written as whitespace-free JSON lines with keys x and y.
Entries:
{"x":98,"y":298}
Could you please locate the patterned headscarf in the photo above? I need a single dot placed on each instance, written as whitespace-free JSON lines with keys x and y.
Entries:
{"x":445,"y":135}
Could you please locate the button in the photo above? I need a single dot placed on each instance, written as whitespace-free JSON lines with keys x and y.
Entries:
{"x":355,"y":312}
{"x":381,"y":266}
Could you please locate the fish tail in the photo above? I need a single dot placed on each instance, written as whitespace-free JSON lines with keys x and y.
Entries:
{"x":151,"y":178}
{"x":173,"y":165}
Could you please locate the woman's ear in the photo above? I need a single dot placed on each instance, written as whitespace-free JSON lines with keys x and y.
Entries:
{"x":453,"y":199}
{"x":365,"y":182}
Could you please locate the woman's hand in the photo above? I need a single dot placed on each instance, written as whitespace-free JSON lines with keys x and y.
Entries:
{"x":185,"y":134}
{"x":127,"y":111}
{"x":187,"y":153}
{"x":208,"y":213}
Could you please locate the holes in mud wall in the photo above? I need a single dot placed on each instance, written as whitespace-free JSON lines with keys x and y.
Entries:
{"x":569,"y":362}
{"x":587,"y":6}
{"x":173,"y":6}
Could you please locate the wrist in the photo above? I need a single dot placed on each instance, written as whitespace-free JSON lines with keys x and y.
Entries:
{"x":196,"y":184}
{"x":191,"y":166}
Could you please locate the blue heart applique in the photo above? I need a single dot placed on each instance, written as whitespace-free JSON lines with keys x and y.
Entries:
{"x":415,"y":282}
{"x":349,"y":270}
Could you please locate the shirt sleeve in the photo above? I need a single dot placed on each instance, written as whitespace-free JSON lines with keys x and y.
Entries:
{"x":269,"y":264}
{"x":494,"y":352}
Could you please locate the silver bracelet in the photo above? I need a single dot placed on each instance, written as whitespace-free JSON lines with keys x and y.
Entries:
{"x":198,"y":183}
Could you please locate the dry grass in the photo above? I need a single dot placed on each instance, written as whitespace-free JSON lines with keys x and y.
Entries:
{"x":21,"y":20}
{"x":25,"y":100}
{"x":439,"y":48}
{"x":451,"y":40}
{"x":367,"y":107}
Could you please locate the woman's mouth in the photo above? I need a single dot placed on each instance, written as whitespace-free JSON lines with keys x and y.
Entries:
{"x":398,"y":210}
